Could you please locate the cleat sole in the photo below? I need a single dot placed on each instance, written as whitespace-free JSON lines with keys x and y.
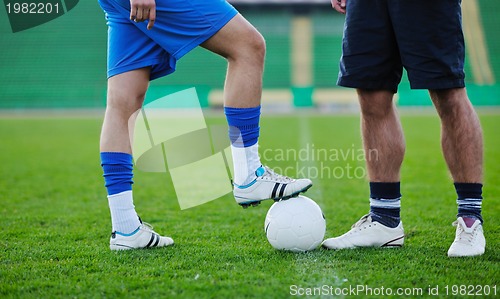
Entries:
{"x":245,"y":205}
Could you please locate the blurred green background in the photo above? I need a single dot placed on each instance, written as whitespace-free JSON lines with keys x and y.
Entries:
{"x":62,"y":64}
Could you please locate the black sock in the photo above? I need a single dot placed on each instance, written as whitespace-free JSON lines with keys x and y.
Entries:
{"x":469,"y":200}
{"x":385,"y":203}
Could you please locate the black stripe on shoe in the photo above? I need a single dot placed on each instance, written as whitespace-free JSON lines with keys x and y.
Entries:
{"x":157,"y":241}
{"x":282,"y":190}
{"x":273,"y":194}
{"x":388,"y":244}
{"x":151,"y":240}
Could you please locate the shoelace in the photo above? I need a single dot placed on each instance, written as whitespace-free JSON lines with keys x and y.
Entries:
{"x":272,"y":176}
{"x":147,"y":226}
{"x":464,"y":235}
{"x":363,"y":219}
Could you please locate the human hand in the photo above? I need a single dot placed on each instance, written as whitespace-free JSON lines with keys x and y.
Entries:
{"x":339,"y":5}
{"x":141,"y":10}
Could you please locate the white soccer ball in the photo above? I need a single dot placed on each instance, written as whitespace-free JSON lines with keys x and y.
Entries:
{"x":296,"y":224}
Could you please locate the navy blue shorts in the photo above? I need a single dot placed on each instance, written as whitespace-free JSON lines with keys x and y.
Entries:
{"x":383,"y":36}
{"x":180,"y":26}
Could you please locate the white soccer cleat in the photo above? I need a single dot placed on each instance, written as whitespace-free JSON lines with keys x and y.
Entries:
{"x":269,"y":185}
{"x":368,"y":233}
{"x":143,"y":237}
{"x":469,"y":241}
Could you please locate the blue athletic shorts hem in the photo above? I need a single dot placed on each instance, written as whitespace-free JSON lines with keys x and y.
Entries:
{"x":205,"y":36}
{"x":167,"y":66}
{"x":141,"y":64}
{"x":181,"y":26}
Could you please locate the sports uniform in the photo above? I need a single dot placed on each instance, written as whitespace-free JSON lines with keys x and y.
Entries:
{"x":381,"y":37}
{"x":180,"y":26}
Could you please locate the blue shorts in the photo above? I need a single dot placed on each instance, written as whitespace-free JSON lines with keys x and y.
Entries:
{"x":180,"y":26}
{"x":383,"y":36}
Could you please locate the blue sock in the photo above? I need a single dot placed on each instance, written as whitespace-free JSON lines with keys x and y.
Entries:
{"x":243,"y":125}
{"x":244,"y":134}
{"x":469,"y":200}
{"x":117,"y":169}
{"x":385,"y":203}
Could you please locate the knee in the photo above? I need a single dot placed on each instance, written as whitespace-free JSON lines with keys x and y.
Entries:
{"x":251,"y":47}
{"x":125,"y":102}
{"x":442,"y":99}
{"x":258,"y":45}
{"x":375,"y":104}
{"x":449,"y":102}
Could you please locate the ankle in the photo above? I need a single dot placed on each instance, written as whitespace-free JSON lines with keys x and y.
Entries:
{"x":470,"y":220}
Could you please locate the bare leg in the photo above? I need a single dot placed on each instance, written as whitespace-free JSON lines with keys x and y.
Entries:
{"x":461,"y":135}
{"x":125,"y":96}
{"x":462,"y":143}
{"x":244,"y":48}
{"x":383,"y":138}
{"x":384,"y":146}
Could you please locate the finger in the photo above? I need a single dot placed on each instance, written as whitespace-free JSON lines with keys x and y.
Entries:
{"x":337,"y":5}
{"x":145,"y":14}
{"x":343,"y":4}
{"x":152,"y":18}
{"x":133,"y":12}
{"x":140,"y":14}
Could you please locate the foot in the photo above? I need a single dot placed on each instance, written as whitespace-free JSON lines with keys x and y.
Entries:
{"x":368,"y":233}
{"x":143,"y":237}
{"x":269,"y":185}
{"x":469,"y":239}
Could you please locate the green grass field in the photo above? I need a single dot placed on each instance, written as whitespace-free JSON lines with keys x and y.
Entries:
{"x":55,"y":220}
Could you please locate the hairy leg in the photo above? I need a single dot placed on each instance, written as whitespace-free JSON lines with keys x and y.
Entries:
{"x":461,"y":134}
{"x":244,"y":48}
{"x":125,"y":96}
{"x":382,"y":134}
{"x":462,"y":143}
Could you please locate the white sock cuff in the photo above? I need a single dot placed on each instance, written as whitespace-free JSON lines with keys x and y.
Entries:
{"x":123,"y":200}
{"x":471,"y":202}
{"x":124,"y":193}
{"x":386,"y":203}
